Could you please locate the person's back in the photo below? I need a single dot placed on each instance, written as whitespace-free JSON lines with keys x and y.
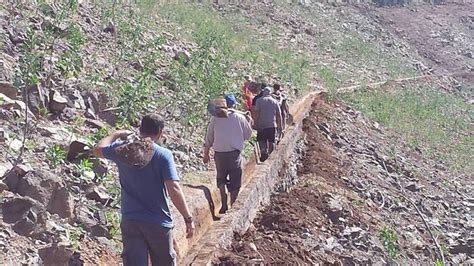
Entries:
{"x":147,"y":173}
{"x":226,"y":135}
{"x":143,"y":194}
{"x":229,"y":133}
{"x":267,"y":108}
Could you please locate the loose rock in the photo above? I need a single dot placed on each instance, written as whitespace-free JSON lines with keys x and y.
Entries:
{"x":8,"y":90}
{"x":56,"y":254}
{"x":78,"y":149}
{"x":61,"y":203}
{"x":58,"y":102}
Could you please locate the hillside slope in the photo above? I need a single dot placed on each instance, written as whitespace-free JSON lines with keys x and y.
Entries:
{"x":73,"y":71}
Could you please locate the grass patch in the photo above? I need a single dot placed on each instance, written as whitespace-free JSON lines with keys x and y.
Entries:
{"x":435,"y":121}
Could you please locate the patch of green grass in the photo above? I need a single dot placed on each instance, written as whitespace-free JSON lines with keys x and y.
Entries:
{"x":328,"y":77}
{"x":435,"y":121}
{"x":389,"y":240}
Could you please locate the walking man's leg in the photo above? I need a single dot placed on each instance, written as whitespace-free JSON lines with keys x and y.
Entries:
{"x":263,"y":144}
{"x":135,"y":249}
{"x":221,"y":179}
{"x":271,"y":137}
{"x":160,"y":244}
{"x":235,"y":176}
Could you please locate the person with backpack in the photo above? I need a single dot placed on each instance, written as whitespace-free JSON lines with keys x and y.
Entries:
{"x":147,"y":175}
{"x":226,"y":133}
{"x":267,"y":117}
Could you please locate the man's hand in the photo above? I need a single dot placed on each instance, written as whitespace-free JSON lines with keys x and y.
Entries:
{"x":122,"y":134}
{"x":109,"y":140}
{"x":190,"y":229}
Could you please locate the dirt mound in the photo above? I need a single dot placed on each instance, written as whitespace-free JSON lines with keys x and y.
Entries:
{"x":352,"y":204}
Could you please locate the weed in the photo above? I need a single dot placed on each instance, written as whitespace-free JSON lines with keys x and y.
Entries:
{"x":98,"y":135}
{"x":328,"y":76}
{"x":113,"y":222}
{"x":55,"y":155}
{"x":389,"y":240}
{"x":84,"y":170}
{"x":439,"y":263}
{"x":75,"y":235}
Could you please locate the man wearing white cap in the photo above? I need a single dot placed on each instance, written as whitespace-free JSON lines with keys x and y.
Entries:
{"x":267,"y":118}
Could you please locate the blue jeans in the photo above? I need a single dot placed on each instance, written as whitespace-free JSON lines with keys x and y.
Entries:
{"x":141,"y":239}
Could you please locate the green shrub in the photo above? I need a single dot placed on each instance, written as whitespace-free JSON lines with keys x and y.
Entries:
{"x":56,"y":155}
{"x":389,"y":240}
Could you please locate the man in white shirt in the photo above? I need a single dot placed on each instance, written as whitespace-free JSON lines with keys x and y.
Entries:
{"x":226,"y":133}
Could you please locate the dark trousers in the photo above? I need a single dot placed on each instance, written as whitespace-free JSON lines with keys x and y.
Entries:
{"x":266,"y":141}
{"x":141,"y":239}
{"x":229,"y":169}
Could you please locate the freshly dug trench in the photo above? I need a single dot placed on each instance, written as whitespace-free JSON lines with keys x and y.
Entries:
{"x":347,"y":207}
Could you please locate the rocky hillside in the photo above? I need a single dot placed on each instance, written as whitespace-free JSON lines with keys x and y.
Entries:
{"x":72,"y":71}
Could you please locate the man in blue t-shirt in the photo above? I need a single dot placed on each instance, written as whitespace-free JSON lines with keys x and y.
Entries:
{"x":147,"y":174}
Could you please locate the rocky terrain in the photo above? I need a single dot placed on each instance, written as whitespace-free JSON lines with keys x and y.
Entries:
{"x":73,"y":71}
{"x":363,"y":197}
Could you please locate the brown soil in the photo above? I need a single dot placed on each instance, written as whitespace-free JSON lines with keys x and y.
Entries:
{"x":348,"y":194}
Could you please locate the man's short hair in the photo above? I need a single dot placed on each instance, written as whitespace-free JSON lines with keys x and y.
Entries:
{"x":151,"y":125}
{"x":276,"y":86}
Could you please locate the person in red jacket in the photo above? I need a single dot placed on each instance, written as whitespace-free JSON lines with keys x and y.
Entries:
{"x":248,"y":95}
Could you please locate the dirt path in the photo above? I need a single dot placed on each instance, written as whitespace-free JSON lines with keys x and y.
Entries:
{"x":347,"y":207}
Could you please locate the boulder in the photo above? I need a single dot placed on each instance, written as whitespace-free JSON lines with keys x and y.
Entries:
{"x":16,"y":208}
{"x":6,"y":102}
{"x":22,"y":169}
{"x":98,"y":195}
{"x":76,"y":100}
{"x":91,"y":100}
{"x":27,"y":224}
{"x":8,"y":90}
{"x":78,"y":149}
{"x":100,"y":167}
{"x":99,"y":230}
{"x":56,"y":254}
{"x":7,"y":64}
{"x":85,"y":218}
{"x":61,"y":203}
{"x":39,"y":185}
{"x":38,"y":98}
{"x":109,"y":117}
{"x":15,"y":145}
{"x":57,"y":103}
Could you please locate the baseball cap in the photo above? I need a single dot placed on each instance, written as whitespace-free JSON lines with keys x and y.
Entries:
{"x":230,"y":100}
{"x":267,"y":90}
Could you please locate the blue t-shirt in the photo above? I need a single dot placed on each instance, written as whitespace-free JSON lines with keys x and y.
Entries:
{"x":144,"y":196}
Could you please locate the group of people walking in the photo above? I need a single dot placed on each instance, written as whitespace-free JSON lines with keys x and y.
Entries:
{"x":266,"y":111}
{"x":147,"y":171}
